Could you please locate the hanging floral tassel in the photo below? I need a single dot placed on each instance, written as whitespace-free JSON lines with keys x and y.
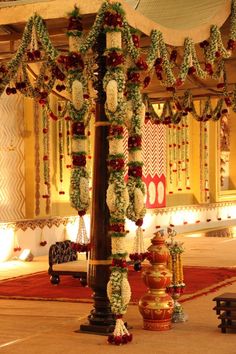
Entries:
{"x":187,"y":161}
{"x":179,"y":155}
{"x":139,"y":254}
{"x":43,"y":242}
{"x":82,"y":240}
{"x":119,"y":294}
{"x":120,"y":334}
{"x":170,"y":140}
{"x":16,"y":244}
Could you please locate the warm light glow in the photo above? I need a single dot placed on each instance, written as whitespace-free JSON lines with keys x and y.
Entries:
{"x":233,"y":233}
{"x":6,"y":242}
{"x":147,"y":220}
{"x":194,"y":235}
{"x":158,"y":107}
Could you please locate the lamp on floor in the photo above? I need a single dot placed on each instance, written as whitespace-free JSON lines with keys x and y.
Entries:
{"x":26,"y":255}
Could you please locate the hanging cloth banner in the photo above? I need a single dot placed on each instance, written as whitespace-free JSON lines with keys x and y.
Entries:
{"x":154,"y":169}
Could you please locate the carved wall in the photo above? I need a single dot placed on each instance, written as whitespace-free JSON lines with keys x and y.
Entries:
{"x":12,"y":170}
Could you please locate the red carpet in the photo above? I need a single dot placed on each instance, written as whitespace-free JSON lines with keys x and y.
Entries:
{"x":198,"y":280}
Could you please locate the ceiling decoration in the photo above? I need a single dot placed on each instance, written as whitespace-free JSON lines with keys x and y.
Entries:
{"x":186,"y":18}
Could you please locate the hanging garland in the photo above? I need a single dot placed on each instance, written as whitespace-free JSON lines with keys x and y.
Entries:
{"x":46,"y":160}
{"x":72,"y":65}
{"x":37,"y":159}
{"x":158,"y":57}
{"x":118,"y":288}
{"x":134,"y":121}
{"x":171,"y":158}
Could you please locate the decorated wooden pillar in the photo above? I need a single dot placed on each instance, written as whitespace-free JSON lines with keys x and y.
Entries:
{"x":101,"y":319}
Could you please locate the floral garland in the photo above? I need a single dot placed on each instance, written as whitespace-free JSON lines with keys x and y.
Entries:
{"x":179,"y":160}
{"x":134,"y":121}
{"x":158,"y":57}
{"x":46,"y":160}
{"x":187,"y":159}
{"x":34,"y":31}
{"x":37,"y":158}
{"x":171,"y":158}
{"x":190,"y":63}
{"x":118,"y":288}
{"x":206,"y":191}
{"x":61,"y":154}
{"x":72,"y":65}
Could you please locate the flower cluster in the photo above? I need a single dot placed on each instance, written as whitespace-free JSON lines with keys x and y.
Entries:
{"x":80,"y":247}
{"x":113,"y":18}
{"x":72,"y":61}
{"x":74,"y":27}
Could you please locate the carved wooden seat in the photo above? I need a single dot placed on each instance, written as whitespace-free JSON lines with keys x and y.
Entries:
{"x":63,"y":260}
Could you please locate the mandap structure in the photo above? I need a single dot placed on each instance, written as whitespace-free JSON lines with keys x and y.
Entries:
{"x":115,"y":62}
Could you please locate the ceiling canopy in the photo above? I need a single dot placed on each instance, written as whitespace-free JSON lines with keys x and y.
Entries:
{"x":179,"y":19}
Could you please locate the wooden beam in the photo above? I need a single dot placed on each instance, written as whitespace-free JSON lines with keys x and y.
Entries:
{"x":51,"y":9}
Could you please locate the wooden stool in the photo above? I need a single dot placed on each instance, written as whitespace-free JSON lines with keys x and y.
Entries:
{"x":226,"y":309}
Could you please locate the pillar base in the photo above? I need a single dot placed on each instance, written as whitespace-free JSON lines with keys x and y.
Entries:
{"x":96,"y":329}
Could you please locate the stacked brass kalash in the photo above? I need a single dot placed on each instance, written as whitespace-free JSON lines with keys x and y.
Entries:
{"x":164,"y":278}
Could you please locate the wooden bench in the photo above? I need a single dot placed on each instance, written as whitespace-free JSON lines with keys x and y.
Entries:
{"x":226,"y":309}
{"x":63,"y":260}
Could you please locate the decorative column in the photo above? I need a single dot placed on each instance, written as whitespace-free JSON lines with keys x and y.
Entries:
{"x":156,"y":306}
{"x":101,"y":319}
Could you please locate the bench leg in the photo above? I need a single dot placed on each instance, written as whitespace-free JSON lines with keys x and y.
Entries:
{"x":55,"y":279}
{"x":83,"y":281}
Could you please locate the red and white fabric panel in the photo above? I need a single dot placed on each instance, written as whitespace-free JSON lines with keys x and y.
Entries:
{"x":154,"y":158}
{"x":154,"y":169}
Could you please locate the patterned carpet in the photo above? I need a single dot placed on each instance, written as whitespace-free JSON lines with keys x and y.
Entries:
{"x":199,"y":281}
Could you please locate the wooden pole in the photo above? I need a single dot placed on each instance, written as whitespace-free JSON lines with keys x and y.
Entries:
{"x":101,"y":319}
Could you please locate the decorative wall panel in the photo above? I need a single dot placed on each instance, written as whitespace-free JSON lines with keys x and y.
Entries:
{"x":154,"y":170}
{"x":12,"y":187}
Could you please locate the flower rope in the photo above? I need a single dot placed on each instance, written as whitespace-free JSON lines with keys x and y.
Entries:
{"x":73,"y":66}
{"x":37,"y":158}
{"x":170,"y":150}
{"x":46,"y":160}
{"x":118,"y":288}
{"x":134,"y":121}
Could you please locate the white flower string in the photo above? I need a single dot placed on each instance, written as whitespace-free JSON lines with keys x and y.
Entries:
{"x":206,"y":162}
{"x":37,"y":158}
{"x":118,"y":288}
{"x":134,"y":122}
{"x":187,"y":159}
{"x":170,"y":150}
{"x":61,"y":154}
{"x":179,"y":154}
{"x":72,"y":65}
{"x":46,"y":160}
